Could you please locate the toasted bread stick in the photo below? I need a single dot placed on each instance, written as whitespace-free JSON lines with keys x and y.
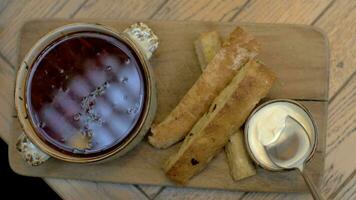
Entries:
{"x":206,"y":47}
{"x":240,"y":163}
{"x":225,"y":116}
{"x":235,"y":52}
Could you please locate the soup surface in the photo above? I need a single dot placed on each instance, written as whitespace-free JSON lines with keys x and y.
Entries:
{"x":85,"y":93}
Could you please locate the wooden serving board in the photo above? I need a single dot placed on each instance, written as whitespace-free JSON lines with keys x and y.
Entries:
{"x":298,"y":55}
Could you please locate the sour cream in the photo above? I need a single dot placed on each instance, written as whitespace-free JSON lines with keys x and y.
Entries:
{"x":266,"y":124}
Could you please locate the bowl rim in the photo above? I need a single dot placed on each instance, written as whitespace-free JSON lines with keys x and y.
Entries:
{"x":246,"y":134}
{"x":24,"y":70}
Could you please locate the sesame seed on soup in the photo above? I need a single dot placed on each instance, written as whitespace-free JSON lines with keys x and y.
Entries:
{"x":85,"y":93}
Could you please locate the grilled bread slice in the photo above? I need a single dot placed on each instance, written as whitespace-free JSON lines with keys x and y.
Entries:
{"x":240,"y":163}
{"x":206,"y":47}
{"x":226,"y":115}
{"x":235,"y":52}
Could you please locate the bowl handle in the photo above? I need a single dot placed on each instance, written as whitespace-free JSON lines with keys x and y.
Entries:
{"x":30,"y":152}
{"x":144,"y":38}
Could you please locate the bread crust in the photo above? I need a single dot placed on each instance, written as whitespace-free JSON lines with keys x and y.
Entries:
{"x":206,"y":47}
{"x":235,"y":52}
{"x":226,"y":115}
{"x":240,"y":163}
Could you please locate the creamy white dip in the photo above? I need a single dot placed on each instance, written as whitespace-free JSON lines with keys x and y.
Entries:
{"x":267,"y":123}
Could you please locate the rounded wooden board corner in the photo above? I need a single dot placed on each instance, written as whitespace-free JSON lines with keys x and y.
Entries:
{"x":286,"y":52}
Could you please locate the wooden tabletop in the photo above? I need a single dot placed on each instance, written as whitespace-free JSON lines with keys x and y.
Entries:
{"x":336,"y":17}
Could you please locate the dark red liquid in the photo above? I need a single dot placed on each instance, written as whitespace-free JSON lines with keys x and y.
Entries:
{"x":86,"y":93}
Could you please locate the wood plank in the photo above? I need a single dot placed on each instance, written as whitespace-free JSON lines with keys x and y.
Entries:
{"x":119,"y":9}
{"x":197,"y":194}
{"x":151,"y":190}
{"x":7,"y":76}
{"x":341,"y":116}
{"x":348,"y":191}
{"x":340,"y":162}
{"x":193,"y":194}
{"x":168,"y":65}
{"x":201,"y":10}
{"x":3,"y":5}
{"x":19,"y":11}
{"x":72,"y":189}
{"x":339,"y":23}
{"x":281,"y":11}
{"x":277,"y":196}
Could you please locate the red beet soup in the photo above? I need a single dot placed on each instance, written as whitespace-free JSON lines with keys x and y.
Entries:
{"x":85,"y":93}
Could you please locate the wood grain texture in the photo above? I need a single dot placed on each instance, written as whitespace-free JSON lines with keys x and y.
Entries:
{"x":202,"y":10}
{"x":3,"y":5}
{"x":119,"y":9}
{"x":282,"y":11}
{"x":19,"y":11}
{"x":193,"y":194}
{"x":347,"y":191}
{"x":277,"y":196}
{"x":170,"y":193}
{"x":340,"y":159}
{"x":339,"y":23}
{"x":7,"y":77}
{"x":151,"y":191}
{"x":72,"y":189}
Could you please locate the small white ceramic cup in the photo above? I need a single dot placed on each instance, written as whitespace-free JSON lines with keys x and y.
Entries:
{"x":313,"y":135}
